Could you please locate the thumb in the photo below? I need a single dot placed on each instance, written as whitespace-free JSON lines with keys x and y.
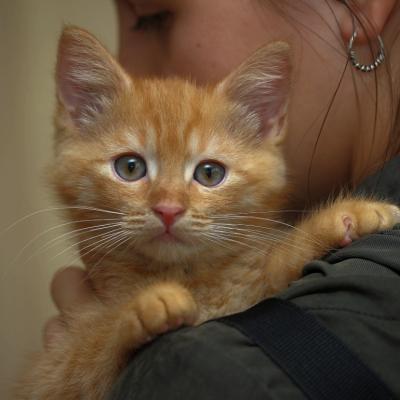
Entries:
{"x":71,"y":287}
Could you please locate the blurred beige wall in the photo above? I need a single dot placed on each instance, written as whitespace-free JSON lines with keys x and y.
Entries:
{"x":29,"y":31}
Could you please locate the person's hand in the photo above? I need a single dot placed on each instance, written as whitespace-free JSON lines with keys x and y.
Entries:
{"x":70,"y":288}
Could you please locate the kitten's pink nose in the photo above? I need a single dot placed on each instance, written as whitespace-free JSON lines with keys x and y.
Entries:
{"x":168,"y":213}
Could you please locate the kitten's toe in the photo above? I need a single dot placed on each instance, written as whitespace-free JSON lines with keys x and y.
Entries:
{"x":395,"y":213}
{"x":348,"y":231}
{"x":361,"y":217}
{"x":165,"y":307}
{"x":377,"y":216}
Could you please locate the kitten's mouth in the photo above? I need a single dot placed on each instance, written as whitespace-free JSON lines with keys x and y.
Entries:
{"x":167,"y":237}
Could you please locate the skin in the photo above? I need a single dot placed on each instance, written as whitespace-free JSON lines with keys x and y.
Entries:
{"x":205,"y":39}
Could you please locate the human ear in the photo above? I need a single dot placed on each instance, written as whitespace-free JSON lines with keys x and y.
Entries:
{"x":371,"y":14}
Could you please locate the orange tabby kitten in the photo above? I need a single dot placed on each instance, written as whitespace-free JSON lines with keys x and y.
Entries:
{"x":175,"y":191}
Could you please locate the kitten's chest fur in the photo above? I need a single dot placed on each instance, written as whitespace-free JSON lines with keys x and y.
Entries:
{"x":219,"y":287}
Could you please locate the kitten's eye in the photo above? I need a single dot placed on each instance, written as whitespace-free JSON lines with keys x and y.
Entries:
{"x":209,"y":173}
{"x":130,"y":168}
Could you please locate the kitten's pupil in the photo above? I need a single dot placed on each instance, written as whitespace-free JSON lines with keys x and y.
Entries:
{"x":131,"y":165}
{"x":208,"y":171}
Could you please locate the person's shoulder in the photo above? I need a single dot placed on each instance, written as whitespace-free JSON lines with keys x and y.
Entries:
{"x":211,"y":361}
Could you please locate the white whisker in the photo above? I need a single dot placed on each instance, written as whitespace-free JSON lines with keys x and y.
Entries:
{"x":117,"y":243}
{"x":281,"y":236}
{"x":276,"y":233}
{"x":261,"y":212}
{"x":245,"y":233}
{"x":101,"y":243}
{"x":105,"y":236}
{"x":222,"y":237}
{"x":263,"y":240}
{"x":67,"y":235}
{"x":94,"y":246}
{"x":94,"y":270}
{"x":213,"y":239}
{"x":238,"y":216}
{"x":307,"y":236}
{"x":22,"y":219}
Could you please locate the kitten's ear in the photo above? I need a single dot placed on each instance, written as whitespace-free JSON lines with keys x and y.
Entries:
{"x":260,"y":86}
{"x":87,"y":77}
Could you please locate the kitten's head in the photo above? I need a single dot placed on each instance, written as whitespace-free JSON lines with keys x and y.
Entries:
{"x":175,"y":165}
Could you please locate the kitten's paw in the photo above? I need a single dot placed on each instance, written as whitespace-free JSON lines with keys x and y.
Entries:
{"x":165,"y":307}
{"x":357,"y":218}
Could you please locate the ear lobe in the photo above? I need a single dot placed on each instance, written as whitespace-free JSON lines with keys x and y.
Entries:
{"x":261,"y":86}
{"x":87,"y":76}
{"x":372,"y":13}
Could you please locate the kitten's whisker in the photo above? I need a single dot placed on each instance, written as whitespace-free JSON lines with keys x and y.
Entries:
{"x":97,"y":209}
{"x":223,"y":237}
{"x":105,"y":236}
{"x":246,"y":232}
{"x":282,"y":235}
{"x":214,"y":239}
{"x":117,"y":243}
{"x":132,"y":240}
{"x":307,"y":235}
{"x":271,"y":232}
{"x":95,"y":269}
{"x":67,"y":234}
{"x":265,"y":240}
{"x":274,"y":221}
{"x":283,"y":241}
{"x":251,"y":228}
{"x":238,"y":216}
{"x":40,"y":250}
{"x":30,"y":215}
{"x":261,"y":212}
{"x":125,"y":234}
{"x":76,"y":232}
{"x":101,"y":243}
{"x":134,"y":218}
{"x":92,"y":247}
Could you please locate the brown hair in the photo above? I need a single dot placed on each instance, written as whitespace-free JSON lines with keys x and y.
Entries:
{"x":393,"y":146}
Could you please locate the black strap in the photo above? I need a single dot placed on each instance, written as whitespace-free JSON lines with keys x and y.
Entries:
{"x":315,"y":359}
